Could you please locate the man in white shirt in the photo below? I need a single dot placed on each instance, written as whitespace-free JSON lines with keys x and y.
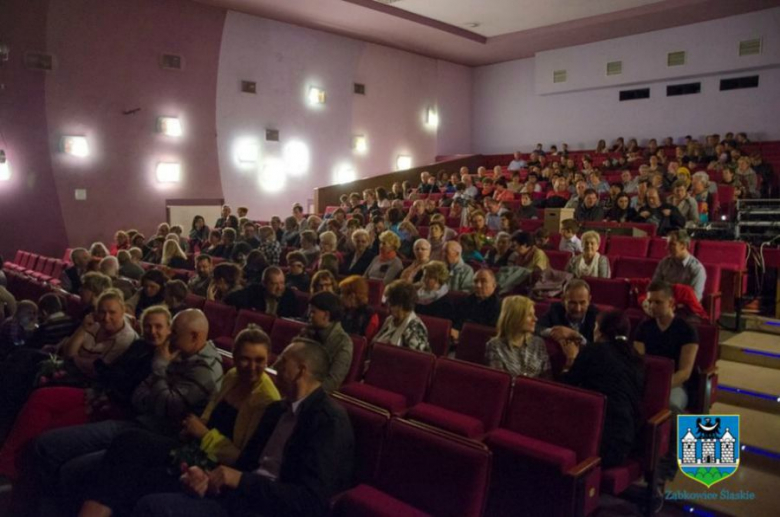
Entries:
{"x":517,"y":164}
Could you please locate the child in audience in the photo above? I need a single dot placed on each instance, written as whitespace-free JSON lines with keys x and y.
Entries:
{"x":569,"y":240}
{"x":471,"y":252}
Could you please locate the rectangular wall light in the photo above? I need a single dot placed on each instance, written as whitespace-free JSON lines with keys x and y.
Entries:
{"x":5,"y":169}
{"x":403,"y":162}
{"x":248,"y":153}
{"x":432,"y":117}
{"x":168,"y":172}
{"x":169,"y":126}
{"x":360,"y":144}
{"x":75,"y":146}
{"x":345,"y":174}
{"x":316,"y":95}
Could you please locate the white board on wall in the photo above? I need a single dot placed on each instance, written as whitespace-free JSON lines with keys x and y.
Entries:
{"x":184,"y":214}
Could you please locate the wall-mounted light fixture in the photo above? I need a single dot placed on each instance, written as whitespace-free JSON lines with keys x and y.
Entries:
{"x":247,"y":153}
{"x":169,"y":126}
{"x":360,"y":144}
{"x":432,"y":117}
{"x":5,"y":169}
{"x":272,"y":176}
{"x":344,"y":173}
{"x":168,"y":172}
{"x":403,"y":162}
{"x":75,"y":146}
{"x":316,"y":95}
{"x":296,"y":158}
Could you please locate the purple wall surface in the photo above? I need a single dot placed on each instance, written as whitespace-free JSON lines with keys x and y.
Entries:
{"x":30,"y":214}
{"x":516,"y":104}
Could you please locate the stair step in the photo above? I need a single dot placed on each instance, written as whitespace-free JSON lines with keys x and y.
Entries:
{"x":759,"y":436}
{"x":755,"y":348}
{"x":747,"y":385}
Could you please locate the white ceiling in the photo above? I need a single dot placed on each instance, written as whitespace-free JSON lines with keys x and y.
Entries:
{"x":497,"y":17}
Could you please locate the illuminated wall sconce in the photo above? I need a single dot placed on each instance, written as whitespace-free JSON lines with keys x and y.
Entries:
{"x":272,"y":176}
{"x":5,"y":169}
{"x":360,"y":144}
{"x":316,"y":95}
{"x":345,"y":173}
{"x":432,"y":117}
{"x":75,"y":145}
{"x":296,"y":158}
{"x":169,"y":126}
{"x":168,"y":172}
{"x":248,"y":153}
{"x":403,"y":162}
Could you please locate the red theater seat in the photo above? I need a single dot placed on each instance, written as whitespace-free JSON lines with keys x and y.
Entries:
{"x":635,"y":267}
{"x":221,"y":319}
{"x":558,"y":259}
{"x":438,"y":334}
{"x":628,"y":246}
{"x":375,"y":290}
{"x":283,"y":332}
{"x":704,"y":379}
{"x":369,"y":425}
{"x":422,"y":472}
{"x":658,"y":248}
{"x":472,"y":341}
{"x":359,"y":348}
{"x":243,"y":320}
{"x":615,"y":292}
{"x":194,"y":301}
{"x":464,"y":398}
{"x":546,"y":451}
{"x":397,"y":378}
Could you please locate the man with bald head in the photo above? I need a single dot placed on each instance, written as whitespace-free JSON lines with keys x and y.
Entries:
{"x":301,"y":454}
{"x":461,"y":274}
{"x":664,"y":215}
{"x":482,"y":306}
{"x":185,"y":374}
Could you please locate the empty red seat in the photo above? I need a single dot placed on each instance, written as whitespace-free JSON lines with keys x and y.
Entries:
{"x":472,"y":341}
{"x":221,"y":319}
{"x":658,"y":248}
{"x":397,"y":378}
{"x":369,"y":424}
{"x":731,"y":256}
{"x":422,"y":472}
{"x":546,"y":453}
{"x":301,"y":301}
{"x":194,"y":301}
{"x":635,"y":267}
{"x":375,"y":290}
{"x":359,"y":348}
{"x":704,"y":379}
{"x":32,"y":262}
{"x":615,"y":292}
{"x":464,"y":398}
{"x":43,"y":273}
{"x":558,"y":259}
{"x":283,"y":332}
{"x":628,"y":246}
{"x":438,"y":334}
{"x":244,"y":318}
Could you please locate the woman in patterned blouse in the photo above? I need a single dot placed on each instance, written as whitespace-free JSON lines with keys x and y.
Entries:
{"x":403,"y":327}
{"x":515,"y":348}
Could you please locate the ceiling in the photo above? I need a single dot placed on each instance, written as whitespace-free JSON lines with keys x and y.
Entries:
{"x":508,"y":29}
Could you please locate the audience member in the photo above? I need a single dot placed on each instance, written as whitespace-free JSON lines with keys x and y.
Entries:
{"x":517,"y":163}
{"x":573,"y":318}
{"x":151,"y":292}
{"x":461,"y":275}
{"x":359,"y":318}
{"x":271,"y":297}
{"x":17,"y":329}
{"x":569,"y":240}
{"x":71,"y":277}
{"x":482,"y":306}
{"x":432,"y":297}
{"x":590,"y":263}
{"x":526,"y":253}
{"x":175,"y":293}
{"x":680,"y":266}
{"x":386,"y":266}
{"x":54,"y":325}
{"x":498,"y":255}
{"x":198,"y":284}
{"x":129,"y":263}
{"x":225,"y":280}
{"x":199,"y":232}
{"x":665,"y":216}
{"x":422,"y":256}
{"x":109,"y":266}
{"x":357,"y":262}
{"x":686,"y":204}
{"x":589,"y":210}
{"x":515,"y":348}
{"x":297,"y":277}
{"x":323,"y":280}
{"x":403,"y":327}
{"x":7,"y":304}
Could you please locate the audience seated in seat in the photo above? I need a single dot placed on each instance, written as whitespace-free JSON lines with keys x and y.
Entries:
{"x":680,"y":266}
{"x":527,"y":254}
{"x":590,"y":263}
{"x":271,"y":297}
{"x":422,"y":256}
{"x":359,"y":318}
{"x":432,"y":297}
{"x":515,"y":348}
{"x":71,"y":277}
{"x":572,"y":318}
{"x":387,"y":265}
{"x":461,"y":276}
{"x":152,"y":292}
{"x":403,"y":327}
{"x":482,"y":306}
{"x":665,"y":216}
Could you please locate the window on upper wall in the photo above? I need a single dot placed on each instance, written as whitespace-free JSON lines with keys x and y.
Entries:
{"x":682,"y":89}
{"x":737,"y":83}
{"x":631,"y":95}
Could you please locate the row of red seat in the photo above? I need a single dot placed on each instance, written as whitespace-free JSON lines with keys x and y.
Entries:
{"x":544,"y":436}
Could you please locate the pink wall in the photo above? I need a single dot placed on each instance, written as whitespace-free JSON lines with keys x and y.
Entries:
{"x":516,"y":105}
{"x":108,"y":53}
{"x":30,"y":215}
{"x":285,"y":60}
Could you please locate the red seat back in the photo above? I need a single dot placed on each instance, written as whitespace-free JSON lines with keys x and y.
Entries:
{"x":247,"y":317}
{"x":438,"y":334}
{"x":301,"y":301}
{"x":369,"y":425}
{"x":615,"y":292}
{"x":658,"y":384}
{"x":628,"y":246}
{"x":732,"y":253}
{"x":708,"y":346}
{"x":221,"y":319}
{"x":657,"y":248}
{"x":433,"y":472}
{"x":472,"y":341}
{"x":193,"y":301}
{"x":283,"y":332}
{"x":57,"y":269}
{"x":635,"y":267}
{"x":558,"y":259}
{"x":554,"y":413}
{"x":400,"y":370}
{"x":375,"y":290}
{"x":32,"y":262}
{"x":470,"y":389}
{"x":66,"y":255}
{"x":359,"y":347}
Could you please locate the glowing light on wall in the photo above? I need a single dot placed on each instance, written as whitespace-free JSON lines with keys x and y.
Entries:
{"x":272,"y":176}
{"x":168,"y":172}
{"x":432,"y":118}
{"x":247,"y":153}
{"x":5,"y":169}
{"x":403,"y":162}
{"x":169,"y":126}
{"x":360,"y":144}
{"x":296,"y":158}
{"x":344,"y":173}
{"x":316,"y":95}
{"x":75,"y":146}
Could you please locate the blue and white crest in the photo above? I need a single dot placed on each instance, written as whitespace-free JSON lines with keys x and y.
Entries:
{"x":708,"y":447}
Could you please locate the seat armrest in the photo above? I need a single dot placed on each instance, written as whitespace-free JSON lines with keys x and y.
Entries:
{"x":584,"y":467}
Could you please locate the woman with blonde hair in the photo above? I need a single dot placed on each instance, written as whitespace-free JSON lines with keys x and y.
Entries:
{"x":515,"y":348}
{"x":173,"y":256}
{"x":386,"y":266}
{"x":121,"y":242}
{"x":590,"y":262}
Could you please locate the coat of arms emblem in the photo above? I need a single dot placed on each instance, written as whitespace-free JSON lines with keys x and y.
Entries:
{"x":708,"y":447}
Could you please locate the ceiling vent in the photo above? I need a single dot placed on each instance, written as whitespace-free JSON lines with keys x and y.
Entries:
{"x":632,"y":95}
{"x":614,"y":68}
{"x":39,"y":61}
{"x":271,"y":135}
{"x":248,"y":86}
{"x":559,"y":76}
{"x":750,"y":47}
{"x":359,"y":89}
{"x":172,"y":62}
{"x":675,"y":58}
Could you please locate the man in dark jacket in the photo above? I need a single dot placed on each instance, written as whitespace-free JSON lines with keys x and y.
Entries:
{"x":482,"y":306}
{"x":589,"y":210}
{"x":71,"y":277}
{"x":574,"y":318}
{"x":667,"y":217}
{"x":271,"y":297}
{"x":300,"y":456}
